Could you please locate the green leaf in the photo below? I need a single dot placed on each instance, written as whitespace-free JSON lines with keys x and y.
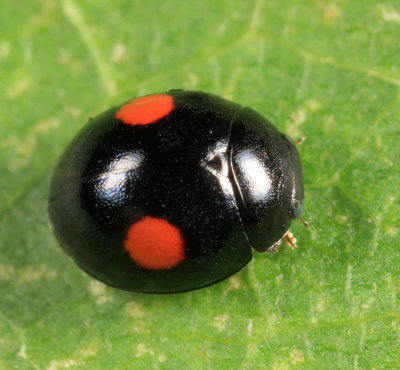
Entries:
{"x":328,"y":71}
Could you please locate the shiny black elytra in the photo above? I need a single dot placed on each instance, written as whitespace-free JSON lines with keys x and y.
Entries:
{"x":168,"y":193}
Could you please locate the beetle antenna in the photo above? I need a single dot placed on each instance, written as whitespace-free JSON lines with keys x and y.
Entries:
{"x":300,"y":140}
{"x":305,"y":223}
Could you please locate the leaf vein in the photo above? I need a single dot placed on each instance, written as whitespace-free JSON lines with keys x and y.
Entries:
{"x":74,"y":15}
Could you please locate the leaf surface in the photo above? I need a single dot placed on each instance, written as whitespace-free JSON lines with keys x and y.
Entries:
{"x":326,"y":71}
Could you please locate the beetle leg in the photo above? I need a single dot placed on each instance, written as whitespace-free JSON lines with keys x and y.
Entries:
{"x":291,"y":240}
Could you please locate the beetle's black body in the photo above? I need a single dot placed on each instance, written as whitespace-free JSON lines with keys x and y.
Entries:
{"x":222,"y":174}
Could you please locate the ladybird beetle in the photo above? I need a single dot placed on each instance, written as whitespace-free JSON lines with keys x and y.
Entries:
{"x":169,"y":192}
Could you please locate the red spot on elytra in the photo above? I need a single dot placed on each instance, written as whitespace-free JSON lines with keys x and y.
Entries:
{"x":155,"y":244}
{"x":148,"y":109}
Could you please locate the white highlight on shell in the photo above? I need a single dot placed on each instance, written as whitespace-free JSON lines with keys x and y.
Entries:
{"x":255,"y":176}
